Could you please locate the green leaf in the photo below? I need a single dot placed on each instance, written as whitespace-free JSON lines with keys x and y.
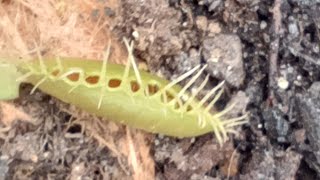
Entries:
{"x":9,"y":87}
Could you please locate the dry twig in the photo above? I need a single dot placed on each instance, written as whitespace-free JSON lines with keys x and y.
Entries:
{"x":274,"y":48}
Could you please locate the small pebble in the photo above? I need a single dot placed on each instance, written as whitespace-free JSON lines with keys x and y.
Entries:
{"x":135,"y":35}
{"x":214,"y":28}
{"x":202,"y":22}
{"x":283,"y":83}
{"x":293,"y":29}
{"x":263,"y":25}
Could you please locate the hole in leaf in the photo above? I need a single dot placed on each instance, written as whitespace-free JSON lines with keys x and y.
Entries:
{"x":134,"y":86}
{"x":169,"y":96}
{"x":114,"y":83}
{"x":73,"y":77}
{"x":152,"y":89}
{"x":189,"y":108}
{"x":92,"y":79}
{"x":176,"y":105}
{"x":55,"y":72}
{"x":166,"y":97}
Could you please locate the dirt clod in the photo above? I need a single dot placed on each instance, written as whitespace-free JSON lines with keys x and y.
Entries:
{"x":309,"y":106}
{"x":223,"y":53}
{"x":288,"y":163}
{"x":272,"y":164}
{"x":276,"y":125}
{"x":261,"y":166}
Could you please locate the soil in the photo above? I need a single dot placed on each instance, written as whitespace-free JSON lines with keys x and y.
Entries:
{"x":268,"y":53}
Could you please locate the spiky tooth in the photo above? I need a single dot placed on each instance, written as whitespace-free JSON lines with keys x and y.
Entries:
{"x":202,"y":85}
{"x":131,"y":59}
{"x":212,"y":91}
{"x":43,"y":67}
{"x":38,"y":84}
{"x":102,"y":79}
{"x":215,"y":99}
{"x":180,"y":78}
{"x":192,"y":80}
{"x":223,"y":112}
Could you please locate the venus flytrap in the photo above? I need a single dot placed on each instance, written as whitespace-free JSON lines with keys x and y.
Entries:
{"x":127,"y":95}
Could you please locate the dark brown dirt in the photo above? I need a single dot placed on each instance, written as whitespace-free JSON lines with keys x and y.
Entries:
{"x":280,"y":142}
